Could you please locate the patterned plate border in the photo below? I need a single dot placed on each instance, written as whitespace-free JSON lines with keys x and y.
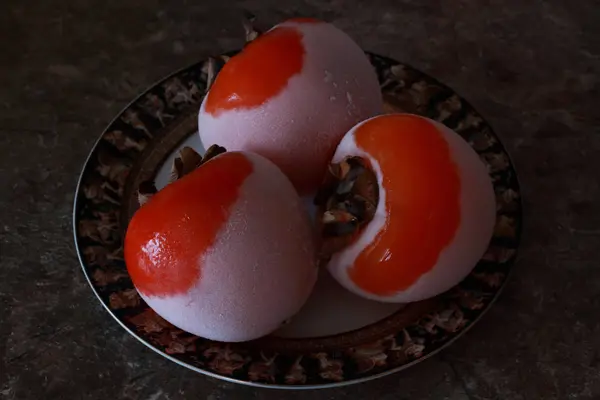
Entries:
{"x":101,"y":200}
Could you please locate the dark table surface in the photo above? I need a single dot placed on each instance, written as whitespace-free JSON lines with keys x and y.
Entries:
{"x":530,"y":67}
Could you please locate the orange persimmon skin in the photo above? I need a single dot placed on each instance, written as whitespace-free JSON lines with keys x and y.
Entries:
{"x":422,"y":202}
{"x":290,"y":95}
{"x":252,"y":77}
{"x":168,"y":236}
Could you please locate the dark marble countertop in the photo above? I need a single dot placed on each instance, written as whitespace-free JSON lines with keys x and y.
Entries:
{"x":530,"y":67}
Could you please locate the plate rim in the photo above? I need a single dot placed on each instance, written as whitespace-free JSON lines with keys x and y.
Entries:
{"x":250,"y":383}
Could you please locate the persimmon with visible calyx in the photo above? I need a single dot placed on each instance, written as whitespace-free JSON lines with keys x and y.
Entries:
{"x":290,"y":95}
{"x":226,"y":250}
{"x":407,"y":209}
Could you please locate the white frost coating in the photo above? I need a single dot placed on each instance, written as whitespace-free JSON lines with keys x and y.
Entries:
{"x":259,"y":272}
{"x":478,"y":213}
{"x":336,"y":89}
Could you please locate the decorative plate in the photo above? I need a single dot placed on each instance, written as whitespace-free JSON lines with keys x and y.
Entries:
{"x":337,"y":338}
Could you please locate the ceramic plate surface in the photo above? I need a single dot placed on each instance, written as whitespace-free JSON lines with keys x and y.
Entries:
{"x":338,"y":338}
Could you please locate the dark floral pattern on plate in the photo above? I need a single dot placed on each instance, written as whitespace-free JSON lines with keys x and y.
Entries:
{"x":136,"y":143}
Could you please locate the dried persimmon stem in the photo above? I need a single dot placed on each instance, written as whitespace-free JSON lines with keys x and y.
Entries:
{"x":212,"y":152}
{"x":145,"y":192}
{"x":347,"y":202}
{"x":249,"y":29}
{"x":215,"y":64}
{"x":187,"y":160}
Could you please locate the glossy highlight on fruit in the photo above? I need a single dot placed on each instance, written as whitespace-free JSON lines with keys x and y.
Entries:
{"x":290,"y":96}
{"x":434,"y":215}
{"x":166,"y":238}
{"x":226,"y":252}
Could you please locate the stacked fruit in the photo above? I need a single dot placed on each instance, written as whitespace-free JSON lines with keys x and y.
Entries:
{"x":228,"y":251}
